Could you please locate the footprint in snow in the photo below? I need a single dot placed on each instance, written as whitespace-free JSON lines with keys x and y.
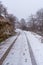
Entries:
{"x":23,"y":53}
{"x":7,"y":64}
{"x":25,"y":49}
{"x":25,"y":60}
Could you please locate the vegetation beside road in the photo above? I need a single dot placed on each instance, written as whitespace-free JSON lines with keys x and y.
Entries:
{"x":7,"y":23}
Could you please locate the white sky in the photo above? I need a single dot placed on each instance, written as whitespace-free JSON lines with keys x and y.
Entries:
{"x":23,"y":8}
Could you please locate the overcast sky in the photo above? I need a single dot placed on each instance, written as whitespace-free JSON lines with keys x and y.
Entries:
{"x":23,"y":8}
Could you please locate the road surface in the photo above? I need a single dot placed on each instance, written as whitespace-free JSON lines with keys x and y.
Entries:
{"x":23,"y":51}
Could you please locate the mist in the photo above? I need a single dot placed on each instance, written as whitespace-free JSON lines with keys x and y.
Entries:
{"x":23,"y":8}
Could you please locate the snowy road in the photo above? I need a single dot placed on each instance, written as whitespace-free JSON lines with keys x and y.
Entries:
{"x":19,"y":54}
{"x":24,"y":51}
{"x":31,"y":52}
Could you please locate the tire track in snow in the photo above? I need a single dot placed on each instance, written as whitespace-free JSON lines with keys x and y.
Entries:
{"x":7,"y":51}
{"x":31,"y":52}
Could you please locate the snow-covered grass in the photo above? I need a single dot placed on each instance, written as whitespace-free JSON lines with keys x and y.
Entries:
{"x":37,"y":36}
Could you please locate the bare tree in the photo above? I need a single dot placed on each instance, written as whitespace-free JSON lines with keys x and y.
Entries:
{"x":40,"y":18}
{"x":32,"y":22}
{"x":5,"y":13}
{"x":12,"y":19}
{"x":23,"y":24}
{"x":3,"y":10}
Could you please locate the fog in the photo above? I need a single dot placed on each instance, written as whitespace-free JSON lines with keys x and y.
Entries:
{"x":23,"y":8}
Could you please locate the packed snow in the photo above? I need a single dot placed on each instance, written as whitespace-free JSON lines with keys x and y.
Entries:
{"x":36,"y":46}
{"x":20,"y":55}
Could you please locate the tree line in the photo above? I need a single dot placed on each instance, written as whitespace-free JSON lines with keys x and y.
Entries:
{"x":34,"y":23}
{"x":5,"y":14}
{"x":7,"y":23}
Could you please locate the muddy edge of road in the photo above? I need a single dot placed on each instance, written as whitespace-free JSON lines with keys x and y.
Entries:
{"x":31,"y":52}
{"x":8,"y":50}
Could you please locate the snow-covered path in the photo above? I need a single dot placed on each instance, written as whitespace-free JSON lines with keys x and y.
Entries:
{"x":27,"y":50}
{"x":19,"y":54}
{"x":37,"y":46}
{"x":31,"y":51}
{"x":6,"y":44}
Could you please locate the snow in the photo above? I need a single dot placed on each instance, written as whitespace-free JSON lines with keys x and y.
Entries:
{"x":18,"y":30}
{"x":19,"y":54}
{"x":37,"y":36}
{"x":5,"y":45}
{"x":37,"y":47}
